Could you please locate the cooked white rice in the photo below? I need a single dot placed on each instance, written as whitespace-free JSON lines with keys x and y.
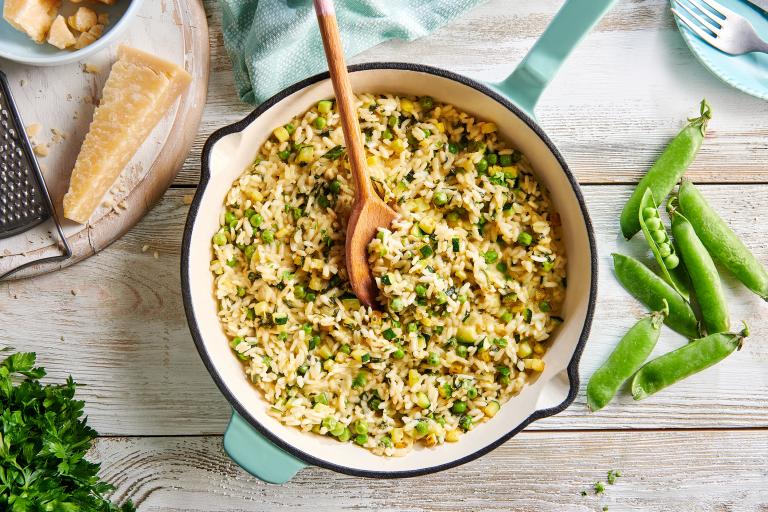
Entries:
{"x":472,"y":276}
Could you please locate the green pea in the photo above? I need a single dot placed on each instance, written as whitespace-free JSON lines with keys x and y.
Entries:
{"x":220,"y":238}
{"x":344,"y":436}
{"x":653,"y":223}
{"x":387,"y":134}
{"x":704,"y":277}
{"x":283,"y":155}
{"x":335,"y":186}
{"x":229,"y":218}
{"x":465,"y":423}
{"x":665,"y":249}
{"x":440,"y":198}
{"x":433,"y":359}
{"x":662,"y":177}
{"x":659,"y":236}
{"x":268,"y":236}
{"x":249,"y":250}
{"x":299,"y":291}
{"x":653,"y":291}
{"x":361,"y":427}
{"x":420,"y":290}
{"x":491,"y":257}
{"x":422,"y":428}
{"x":319,"y":123}
{"x":398,"y":354}
{"x":397,"y":304}
{"x":687,"y":360}
{"x":492,"y":158}
{"x":392,"y":121}
{"x":426,"y":102}
{"x":721,"y":242}
{"x":524,"y":239}
{"x":462,"y":351}
{"x":361,"y":439}
{"x":310,"y":297}
{"x":628,"y":356}
{"x":256,"y":220}
{"x":453,"y":148}
{"x":289,"y":128}
{"x":459,"y":407}
{"x":649,"y":212}
{"x":481,"y":166}
{"x":329,"y":422}
{"x":671,"y":261}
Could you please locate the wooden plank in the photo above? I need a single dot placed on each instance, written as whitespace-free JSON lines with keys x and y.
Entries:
{"x":542,"y":471}
{"x":125,"y":335}
{"x":624,"y":92}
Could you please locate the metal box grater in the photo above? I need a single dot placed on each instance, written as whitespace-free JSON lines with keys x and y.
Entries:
{"x":24,"y":199}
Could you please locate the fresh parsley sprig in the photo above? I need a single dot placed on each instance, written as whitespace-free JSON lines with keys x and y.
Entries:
{"x":43,"y":442}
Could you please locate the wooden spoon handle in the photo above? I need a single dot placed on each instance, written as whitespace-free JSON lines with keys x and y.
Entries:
{"x":334,"y":53}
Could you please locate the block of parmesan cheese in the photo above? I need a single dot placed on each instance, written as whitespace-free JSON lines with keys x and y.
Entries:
{"x":139,"y":91}
{"x":33,"y":17}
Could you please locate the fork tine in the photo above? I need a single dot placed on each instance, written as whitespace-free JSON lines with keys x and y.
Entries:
{"x":706,"y":36}
{"x":708,"y":22}
{"x":719,"y":8}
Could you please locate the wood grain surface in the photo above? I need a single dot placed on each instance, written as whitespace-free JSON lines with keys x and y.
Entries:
{"x":700,"y":471}
{"x":116,"y":321}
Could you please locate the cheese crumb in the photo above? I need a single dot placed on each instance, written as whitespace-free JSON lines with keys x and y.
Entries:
{"x":60,"y":36}
{"x":57,"y":136}
{"x":156,"y":255}
{"x":86,"y":38}
{"x":41,"y":149}
{"x":33,"y":17}
{"x":144,"y":248}
{"x":104,"y":18}
{"x":83,"y":19}
{"x":33,"y":129}
{"x":90,"y":68}
{"x":187,"y":199}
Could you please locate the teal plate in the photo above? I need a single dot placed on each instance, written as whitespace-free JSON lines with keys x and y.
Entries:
{"x":748,"y":72}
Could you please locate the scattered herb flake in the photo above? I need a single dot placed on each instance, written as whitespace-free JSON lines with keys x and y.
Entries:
{"x":599,"y":488}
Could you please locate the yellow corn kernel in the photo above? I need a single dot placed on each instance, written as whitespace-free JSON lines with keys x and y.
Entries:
{"x":397,"y":435}
{"x":524,"y":349}
{"x":315,"y":283}
{"x":510,"y":170}
{"x":413,"y":377}
{"x":281,"y":134}
{"x":456,"y":367}
{"x":537,"y":365}
{"x":406,"y":105}
{"x":255,"y":196}
{"x":491,"y":409}
{"x":281,"y":233}
{"x":261,"y":308}
{"x":485,"y":356}
{"x":440,"y":127}
{"x":357,"y":355}
{"x":328,"y":365}
{"x":452,"y":436}
{"x":488,"y":128}
{"x":430,"y":440}
{"x":373,"y":161}
{"x":427,"y":322}
{"x":494,"y":170}
{"x":539,"y":349}
{"x":399,"y":145}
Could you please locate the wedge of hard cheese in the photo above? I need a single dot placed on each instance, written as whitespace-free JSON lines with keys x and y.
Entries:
{"x":34,"y":17}
{"x":139,"y":91}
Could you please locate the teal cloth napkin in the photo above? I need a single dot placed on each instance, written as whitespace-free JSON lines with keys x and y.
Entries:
{"x":275,"y":43}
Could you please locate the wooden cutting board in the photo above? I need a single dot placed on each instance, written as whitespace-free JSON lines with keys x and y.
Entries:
{"x":62,"y":100}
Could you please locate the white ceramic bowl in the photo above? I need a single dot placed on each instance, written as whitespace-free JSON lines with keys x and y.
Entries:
{"x":17,"y":46}
{"x":230,"y":150}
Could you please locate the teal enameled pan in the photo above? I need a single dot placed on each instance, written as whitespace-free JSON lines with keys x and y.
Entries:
{"x":274,"y":452}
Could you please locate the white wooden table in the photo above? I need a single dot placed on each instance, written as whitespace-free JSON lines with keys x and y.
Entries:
{"x":116,"y":323}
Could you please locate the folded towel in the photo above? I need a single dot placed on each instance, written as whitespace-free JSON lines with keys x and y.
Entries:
{"x":274,"y":43}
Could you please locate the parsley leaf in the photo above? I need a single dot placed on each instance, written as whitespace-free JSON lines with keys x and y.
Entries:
{"x":599,"y":488}
{"x":43,"y":442}
{"x":334,"y":153}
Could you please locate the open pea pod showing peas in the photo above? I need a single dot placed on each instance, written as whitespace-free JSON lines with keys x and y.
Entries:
{"x":687,"y":360}
{"x":661,"y":246}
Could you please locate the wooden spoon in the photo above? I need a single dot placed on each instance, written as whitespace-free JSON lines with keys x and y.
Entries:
{"x":369,"y":212}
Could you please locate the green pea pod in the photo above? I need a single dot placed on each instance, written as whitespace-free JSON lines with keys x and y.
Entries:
{"x":661,"y":246}
{"x":654,"y":292}
{"x":628,"y":356}
{"x":667,"y":170}
{"x":687,"y":360}
{"x":704,"y":277}
{"x":721,"y":242}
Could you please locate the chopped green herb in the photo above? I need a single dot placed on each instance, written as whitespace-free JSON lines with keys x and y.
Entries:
{"x":599,"y":488}
{"x":334,"y":153}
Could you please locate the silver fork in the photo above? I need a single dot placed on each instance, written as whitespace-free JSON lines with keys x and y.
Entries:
{"x":720,"y":27}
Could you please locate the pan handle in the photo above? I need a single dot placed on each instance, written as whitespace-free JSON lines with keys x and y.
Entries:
{"x":569,"y":26}
{"x":257,"y":455}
